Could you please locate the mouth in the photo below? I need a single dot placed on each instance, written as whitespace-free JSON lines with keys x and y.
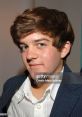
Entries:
{"x":35,"y":65}
{"x":35,"y":69}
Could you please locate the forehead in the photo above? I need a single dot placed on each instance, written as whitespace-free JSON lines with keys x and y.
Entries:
{"x":34,"y":37}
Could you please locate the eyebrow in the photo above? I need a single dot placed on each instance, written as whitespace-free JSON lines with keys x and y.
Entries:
{"x":37,"y":40}
{"x":42,"y":39}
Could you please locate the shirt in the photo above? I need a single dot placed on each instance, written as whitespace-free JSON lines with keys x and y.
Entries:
{"x":24,"y":104}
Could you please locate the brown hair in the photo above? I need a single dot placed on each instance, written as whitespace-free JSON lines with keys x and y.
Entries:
{"x":51,"y":22}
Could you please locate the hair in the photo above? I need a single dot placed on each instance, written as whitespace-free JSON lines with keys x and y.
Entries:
{"x":51,"y":22}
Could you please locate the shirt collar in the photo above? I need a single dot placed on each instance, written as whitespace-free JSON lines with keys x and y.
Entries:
{"x":19,"y":95}
{"x":56,"y":84}
{"x":25,"y":89}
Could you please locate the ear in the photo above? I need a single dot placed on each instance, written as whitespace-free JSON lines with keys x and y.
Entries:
{"x":66,"y":49}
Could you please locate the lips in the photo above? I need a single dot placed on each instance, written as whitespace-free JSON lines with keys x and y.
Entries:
{"x":35,"y":64}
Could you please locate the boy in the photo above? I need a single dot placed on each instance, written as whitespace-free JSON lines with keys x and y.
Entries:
{"x":44,"y":37}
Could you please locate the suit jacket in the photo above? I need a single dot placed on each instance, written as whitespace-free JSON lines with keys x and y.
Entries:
{"x":68,"y":102}
{"x":81,"y":70}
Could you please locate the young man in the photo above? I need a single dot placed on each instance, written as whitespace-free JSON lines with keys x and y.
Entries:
{"x":44,"y":37}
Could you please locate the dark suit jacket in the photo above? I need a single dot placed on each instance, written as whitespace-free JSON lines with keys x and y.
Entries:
{"x":68,"y":102}
{"x":81,"y":70}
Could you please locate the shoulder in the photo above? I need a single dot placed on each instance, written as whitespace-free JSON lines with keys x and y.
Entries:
{"x":9,"y":89}
{"x":14,"y":82}
{"x":70,"y":77}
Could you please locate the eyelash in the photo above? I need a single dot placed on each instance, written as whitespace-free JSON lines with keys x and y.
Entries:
{"x":23,"y":48}
{"x":38,"y":45}
{"x":41,"y":44}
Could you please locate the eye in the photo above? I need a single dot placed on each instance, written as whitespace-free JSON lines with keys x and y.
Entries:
{"x":23,"y":47}
{"x":41,"y":45}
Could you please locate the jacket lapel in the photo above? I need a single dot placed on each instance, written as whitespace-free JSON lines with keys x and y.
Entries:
{"x":67,"y":96}
{"x":65,"y":101}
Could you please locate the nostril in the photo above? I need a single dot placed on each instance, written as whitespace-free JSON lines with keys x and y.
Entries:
{"x":29,"y":60}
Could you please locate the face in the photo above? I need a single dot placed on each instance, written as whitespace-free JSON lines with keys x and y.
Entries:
{"x":39,"y":55}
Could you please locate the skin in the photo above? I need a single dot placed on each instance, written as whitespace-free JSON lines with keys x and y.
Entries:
{"x":40,"y":56}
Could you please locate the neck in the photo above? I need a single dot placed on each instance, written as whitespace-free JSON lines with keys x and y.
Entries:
{"x":38,"y":91}
{"x":38,"y":88}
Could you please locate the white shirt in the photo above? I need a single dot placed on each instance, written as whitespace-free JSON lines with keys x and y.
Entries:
{"x":24,"y":104}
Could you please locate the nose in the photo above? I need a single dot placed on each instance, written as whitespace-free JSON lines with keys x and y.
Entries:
{"x":31,"y":54}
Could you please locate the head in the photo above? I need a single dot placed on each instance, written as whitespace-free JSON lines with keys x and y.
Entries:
{"x":44,"y":36}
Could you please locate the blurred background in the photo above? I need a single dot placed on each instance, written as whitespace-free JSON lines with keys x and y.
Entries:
{"x":10,"y":59}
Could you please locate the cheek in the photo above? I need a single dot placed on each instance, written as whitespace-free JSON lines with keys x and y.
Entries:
{"x":50,"y":55}
{"x":25,"y":60}
{"x":23,"y":57}
{"x":51,"y":58}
